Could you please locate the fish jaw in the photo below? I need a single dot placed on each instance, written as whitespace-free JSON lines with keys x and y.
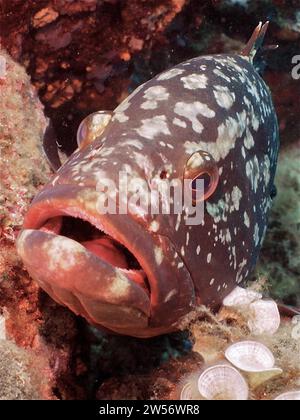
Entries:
{"x":80,"y":280}
{"x":76,"y":276}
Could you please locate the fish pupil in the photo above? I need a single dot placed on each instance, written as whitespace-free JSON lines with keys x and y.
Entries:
{"x":205,"y":177}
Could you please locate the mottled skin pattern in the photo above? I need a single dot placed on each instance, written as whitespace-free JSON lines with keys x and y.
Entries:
{"x":217,"y":104}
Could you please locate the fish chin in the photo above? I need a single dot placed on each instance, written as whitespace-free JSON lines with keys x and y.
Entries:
{"x":101,"y":266}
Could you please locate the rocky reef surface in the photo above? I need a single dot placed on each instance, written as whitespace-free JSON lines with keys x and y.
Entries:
{"x":85,"y":55}
{"x":38,"y":341}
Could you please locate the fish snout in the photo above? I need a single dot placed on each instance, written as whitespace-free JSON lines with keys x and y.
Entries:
{"x":108,"y":268}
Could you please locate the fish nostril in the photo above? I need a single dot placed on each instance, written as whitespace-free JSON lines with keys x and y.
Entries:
{"x":163,"y":174}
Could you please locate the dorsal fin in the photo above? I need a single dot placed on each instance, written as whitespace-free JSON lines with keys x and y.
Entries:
{"x":256,"y":41}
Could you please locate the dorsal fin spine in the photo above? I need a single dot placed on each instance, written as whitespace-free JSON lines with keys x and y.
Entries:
{"x":256,"y":41}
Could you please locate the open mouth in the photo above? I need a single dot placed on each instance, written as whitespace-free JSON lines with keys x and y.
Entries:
{"x":105,"y":267}
{"x":101,"y":244}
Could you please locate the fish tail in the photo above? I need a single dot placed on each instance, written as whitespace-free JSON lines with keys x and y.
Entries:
{"x":256,"y":41}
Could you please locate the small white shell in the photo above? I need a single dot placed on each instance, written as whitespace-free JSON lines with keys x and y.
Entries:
{"x":250,"y":356}
{"x":289,"y":396}
{"x":186,"y":392}
{"x":223,"y":382}
{"x":264,"y":317}
{"x":255,"y":359}
{"x":189,"y":388}
{"x":241,"y":297}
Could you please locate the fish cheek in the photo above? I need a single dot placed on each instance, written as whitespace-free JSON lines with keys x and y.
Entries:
{"x":201,"y":173}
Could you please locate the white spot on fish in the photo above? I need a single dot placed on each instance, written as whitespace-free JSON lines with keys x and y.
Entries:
{"x":63,"y":253}
{"x":153,"y":95}
{"x":152,"y":127}
{"x":131,"y":142}
{"x":158,"y":254}
{"x":170,"y":74}
{"x":178,"y":221}
{"x":195,"y":81}
{"x":246,"y":220}
{"x":119,"y":112}
{"x":191,"y":147}
{"x":228,"y":133}
{"x":191,"y":111}
{"x":236,"y":196}
{"x":249,"y":140}
{"x":220,"y":74}
{"x":120,"y":286}
{"x":256,"y":234}
{"x":187,"y":239}
{"x":224,"y":97}
{"x":170,"y":295}
{"x":252,"y":172}
{"x":179,"y":123}
{"x":154,"y":226}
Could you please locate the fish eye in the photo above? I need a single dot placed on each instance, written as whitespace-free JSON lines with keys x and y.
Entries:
{"x":92,"y":127}
{"x":201,"y":166}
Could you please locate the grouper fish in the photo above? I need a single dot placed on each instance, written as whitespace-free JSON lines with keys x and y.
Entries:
{"x":210,"y":118}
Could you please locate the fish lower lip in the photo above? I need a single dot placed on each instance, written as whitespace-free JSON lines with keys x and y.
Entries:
{"x":77,"y":278}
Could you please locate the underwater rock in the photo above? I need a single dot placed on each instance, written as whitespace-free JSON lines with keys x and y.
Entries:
{"x":30,"y":319}
{"x":22,"y":166}
{"x":279,"y":259}
{"x":85,"y":55}
{"x":23,"y":375}
{"x":79,"y":53}
{"x":159,"y":383}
